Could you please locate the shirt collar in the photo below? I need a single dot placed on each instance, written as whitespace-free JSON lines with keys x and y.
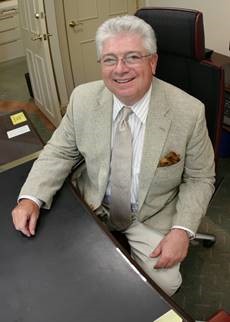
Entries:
{"x":140,"y":109}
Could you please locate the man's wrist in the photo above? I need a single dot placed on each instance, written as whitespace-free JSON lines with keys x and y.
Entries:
{"x":191,"y":235}
{"x":38,"y":202}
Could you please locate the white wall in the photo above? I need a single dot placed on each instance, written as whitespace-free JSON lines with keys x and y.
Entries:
{"x":216,"y":14}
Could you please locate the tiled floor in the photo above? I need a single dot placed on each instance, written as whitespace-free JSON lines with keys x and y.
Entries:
{"x":206,"y":272}
{"x":12,"y":80}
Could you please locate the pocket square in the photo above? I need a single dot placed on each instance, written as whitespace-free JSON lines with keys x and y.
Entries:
{"x":169,"y":159}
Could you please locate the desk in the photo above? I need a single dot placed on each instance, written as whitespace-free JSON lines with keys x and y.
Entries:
{"x":224,"y":62}
{"x":71,"y":270}
{"x":21,"y":147}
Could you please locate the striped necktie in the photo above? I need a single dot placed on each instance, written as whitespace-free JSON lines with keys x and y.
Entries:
{"x":121,"y":171}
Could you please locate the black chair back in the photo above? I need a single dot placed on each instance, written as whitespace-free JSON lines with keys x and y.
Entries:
{"x":182,"y":61}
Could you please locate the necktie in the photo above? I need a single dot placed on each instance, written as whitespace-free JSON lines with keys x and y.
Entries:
{"x":121,"y":168}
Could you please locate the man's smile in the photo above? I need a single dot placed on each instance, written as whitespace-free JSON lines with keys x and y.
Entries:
{"x":122,"y":81}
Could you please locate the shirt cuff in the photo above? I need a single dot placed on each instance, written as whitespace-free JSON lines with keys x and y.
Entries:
{"x":190,"y":233}
{"x":34,"y":199}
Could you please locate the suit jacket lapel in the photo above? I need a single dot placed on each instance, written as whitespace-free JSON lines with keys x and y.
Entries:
{"x":157,"y":127}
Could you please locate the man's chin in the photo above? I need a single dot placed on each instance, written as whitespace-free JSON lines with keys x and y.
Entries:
{"x":125,"y":90}
{"x":126,"y":98}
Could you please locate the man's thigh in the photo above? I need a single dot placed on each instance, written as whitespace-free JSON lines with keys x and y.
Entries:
{"x":143,"y":240}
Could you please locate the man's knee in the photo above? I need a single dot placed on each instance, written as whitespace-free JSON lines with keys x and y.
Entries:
{"x":169,"y":283}
{"x":143,"y":240}
{"x":169,"y":280}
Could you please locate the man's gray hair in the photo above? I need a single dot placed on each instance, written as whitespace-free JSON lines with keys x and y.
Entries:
{"x":126,"y":24}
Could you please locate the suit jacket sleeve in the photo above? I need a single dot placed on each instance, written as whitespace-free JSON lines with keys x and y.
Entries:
{"x":197,"y":186}
{"x":55,"y":161}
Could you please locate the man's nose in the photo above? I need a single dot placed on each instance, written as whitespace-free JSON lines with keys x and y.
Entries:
{"x":121,"y":66}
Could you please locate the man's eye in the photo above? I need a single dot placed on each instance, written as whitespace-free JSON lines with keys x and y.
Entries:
{"x":132,"y":58}
{"x":109,"y":61}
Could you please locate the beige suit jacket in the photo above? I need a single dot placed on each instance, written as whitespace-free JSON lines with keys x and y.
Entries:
{"x":174,"y":195}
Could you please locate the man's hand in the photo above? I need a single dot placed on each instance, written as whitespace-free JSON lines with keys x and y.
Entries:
{"x":172,"y":249}
{"x":25,"y":216}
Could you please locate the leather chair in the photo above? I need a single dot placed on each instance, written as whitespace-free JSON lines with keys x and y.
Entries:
{"x":184,"y":62}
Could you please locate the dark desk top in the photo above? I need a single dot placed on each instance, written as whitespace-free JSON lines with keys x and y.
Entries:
{"x":21,"y":146}
{"x":70,"y":271}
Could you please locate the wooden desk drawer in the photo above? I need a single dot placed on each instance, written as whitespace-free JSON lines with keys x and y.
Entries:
{"x":8,"y":22}
{"x":9,"y":36}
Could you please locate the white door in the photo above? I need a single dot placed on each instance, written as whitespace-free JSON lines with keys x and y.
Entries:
{"x":82,"y":19}
{"x":36,"y":44}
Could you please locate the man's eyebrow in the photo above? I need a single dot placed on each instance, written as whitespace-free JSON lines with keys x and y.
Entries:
{"x":126,"y":53}
{"x":109,"y":54}
{"x":133,"y":52}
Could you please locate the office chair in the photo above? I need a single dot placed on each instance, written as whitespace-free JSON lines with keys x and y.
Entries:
{"x":184,"y":62}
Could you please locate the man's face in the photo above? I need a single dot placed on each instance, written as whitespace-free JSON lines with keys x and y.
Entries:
{"x":129,"y":80}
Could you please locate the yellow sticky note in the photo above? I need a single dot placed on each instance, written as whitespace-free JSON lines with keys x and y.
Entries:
{"x":18,"y":118}
{"x":170,"y":316}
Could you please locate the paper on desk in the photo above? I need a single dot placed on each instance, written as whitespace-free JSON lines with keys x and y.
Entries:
{"x":170,"y":316}
{"x":18,"y":118}
{"x":18,"y":131}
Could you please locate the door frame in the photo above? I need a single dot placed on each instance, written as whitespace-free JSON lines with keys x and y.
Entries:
{"x":55,"y":52}
{"x":61,"y":42}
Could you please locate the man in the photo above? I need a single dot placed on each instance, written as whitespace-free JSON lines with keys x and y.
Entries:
{"x":171,"y":175}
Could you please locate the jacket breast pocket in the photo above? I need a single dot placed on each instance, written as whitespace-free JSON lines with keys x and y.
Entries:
{"x":166,"y":181}
{"x":170,"y":172}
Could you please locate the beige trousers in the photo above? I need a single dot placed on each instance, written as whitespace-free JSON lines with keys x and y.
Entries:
{"x":143,"y":239}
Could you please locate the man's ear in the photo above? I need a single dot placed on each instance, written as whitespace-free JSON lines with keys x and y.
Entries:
{"x":154,"y":63}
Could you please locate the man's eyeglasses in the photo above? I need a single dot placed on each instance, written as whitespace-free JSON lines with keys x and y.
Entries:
{"x":128,"y":59}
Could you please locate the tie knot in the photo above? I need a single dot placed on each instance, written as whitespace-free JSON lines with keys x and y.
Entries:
{"x":125,"y":113}
{"x":123,"y":124}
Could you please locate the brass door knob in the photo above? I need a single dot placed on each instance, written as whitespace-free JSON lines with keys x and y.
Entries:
{"x":37,"y":37}
{"x":73,"y":23}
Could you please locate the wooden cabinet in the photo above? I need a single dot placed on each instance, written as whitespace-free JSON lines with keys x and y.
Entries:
{"x":224,"y":61}
{"x":10,"y":39}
